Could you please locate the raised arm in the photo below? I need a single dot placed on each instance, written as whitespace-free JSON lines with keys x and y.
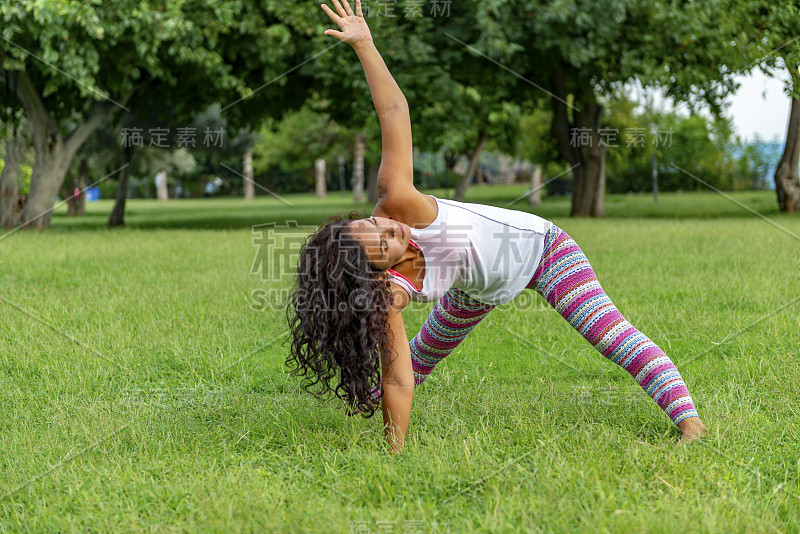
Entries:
{"x":386,"y":94}
{"x":396,"y":173}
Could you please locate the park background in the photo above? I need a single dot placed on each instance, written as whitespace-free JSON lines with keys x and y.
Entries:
{"x":142,"y":383}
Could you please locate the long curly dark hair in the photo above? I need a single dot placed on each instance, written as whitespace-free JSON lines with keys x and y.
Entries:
{"x":337,"y":313}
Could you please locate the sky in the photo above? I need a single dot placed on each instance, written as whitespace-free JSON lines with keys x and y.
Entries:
{"x":759,"y":107}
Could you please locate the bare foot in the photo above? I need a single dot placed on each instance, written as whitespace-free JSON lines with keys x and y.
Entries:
{"x":691,"y":428}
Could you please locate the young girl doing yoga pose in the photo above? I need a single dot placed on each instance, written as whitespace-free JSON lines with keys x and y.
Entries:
{"x":356,"y":275}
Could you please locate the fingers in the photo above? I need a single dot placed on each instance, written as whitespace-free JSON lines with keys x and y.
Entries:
{"x":337,"y":34}
{"x":334,"y":17}
{"x":340,"y":9}
{"x":347,"y":8}
{"x":358,"y":8}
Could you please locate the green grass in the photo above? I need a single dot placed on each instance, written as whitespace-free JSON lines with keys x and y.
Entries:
{"x":232,"y":213}
{"x":142,"y":390}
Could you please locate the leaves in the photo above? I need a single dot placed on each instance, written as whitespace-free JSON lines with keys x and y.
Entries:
{"x":89,"y":50}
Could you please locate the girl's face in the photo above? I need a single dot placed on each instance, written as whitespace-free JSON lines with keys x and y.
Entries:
{"x":383,"y":240}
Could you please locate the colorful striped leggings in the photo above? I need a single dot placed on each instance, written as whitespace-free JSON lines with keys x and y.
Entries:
{"x":567,"y":281}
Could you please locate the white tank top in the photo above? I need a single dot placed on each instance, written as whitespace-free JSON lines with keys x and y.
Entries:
{"x":488,"y":252}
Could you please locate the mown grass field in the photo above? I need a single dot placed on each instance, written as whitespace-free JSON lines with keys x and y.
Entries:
{"x":142,"y":387}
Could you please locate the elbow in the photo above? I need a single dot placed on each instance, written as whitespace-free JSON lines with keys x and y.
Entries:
{"x":398,"y":108}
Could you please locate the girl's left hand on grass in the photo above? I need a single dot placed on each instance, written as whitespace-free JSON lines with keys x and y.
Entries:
{"x":354,"y":27}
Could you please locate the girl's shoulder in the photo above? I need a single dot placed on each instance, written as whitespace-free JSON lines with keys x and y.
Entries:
{"x":408,"y":206}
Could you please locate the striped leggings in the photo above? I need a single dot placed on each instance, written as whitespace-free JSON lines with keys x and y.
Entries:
{"x":567,"y":281}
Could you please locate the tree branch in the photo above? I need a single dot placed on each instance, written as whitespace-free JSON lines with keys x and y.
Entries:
{"x":34,"y":108}
{"x":98,"y":113}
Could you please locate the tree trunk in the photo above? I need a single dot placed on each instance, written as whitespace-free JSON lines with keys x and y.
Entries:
{"x":586,"y":156}
{"x":535,"y":198}
{"x":787,"y":182}
{"x":598,"y":193}
{"x":358,"y":168}
{"x":450,"y":161}
{"x":54,"y":152}
{"x":9,"y":183}
{"x":342,"y":186}
{"x":372,"y":183}
{"x":68,"y":194}
{"x":249,"y":184}
{"x":83,"y":183}
{"x":74,"y":191}
{"x":117,"y":217}
{"x":48,"y":174}
{"x":479,"y":178}
{"x":320,"y":187}
{"x":161,"y":186}
{"x":474,"y":161}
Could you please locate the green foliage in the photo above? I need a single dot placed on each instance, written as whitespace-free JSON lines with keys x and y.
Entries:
{"x":25,"y":172}
{"x":603,"y":45}
{"x":452,"y":95}
{"x":291,"y":145}
{"x":535,"y":142}
{"x":769,"y":31}
{"x":688,"y":142}
{"x":186,"y":53}
{"x":461,"y":74}
{"x":108,"y":189}
{"x":702,"y":146}
{"x":537,"y":145}
{"x":300,"y":137}
{"x":149,"y":161}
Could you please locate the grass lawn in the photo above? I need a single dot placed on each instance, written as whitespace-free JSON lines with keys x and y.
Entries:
{"x":142,"y":386}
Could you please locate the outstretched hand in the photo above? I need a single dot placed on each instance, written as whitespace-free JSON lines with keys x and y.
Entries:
{"x":354,"y":27}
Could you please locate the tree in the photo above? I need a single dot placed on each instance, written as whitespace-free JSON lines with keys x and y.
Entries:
{"x":777,"y":23}
{"x":9,"y":181}
{"x":700,"y":145}
{"x":582,"y":52}
{"x":13,"y":135}
{"x":292,"y":144}
{"x":60,"y":112}
{"x":188,"y":55}
{"x":247,"y":171}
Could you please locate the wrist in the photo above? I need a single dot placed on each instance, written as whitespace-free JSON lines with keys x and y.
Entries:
{"x":363,"y":45}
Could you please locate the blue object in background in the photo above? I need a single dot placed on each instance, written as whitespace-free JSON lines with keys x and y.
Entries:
{"x":92,"y":194}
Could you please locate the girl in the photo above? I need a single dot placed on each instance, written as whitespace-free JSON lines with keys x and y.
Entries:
{"x":356,"y":275}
